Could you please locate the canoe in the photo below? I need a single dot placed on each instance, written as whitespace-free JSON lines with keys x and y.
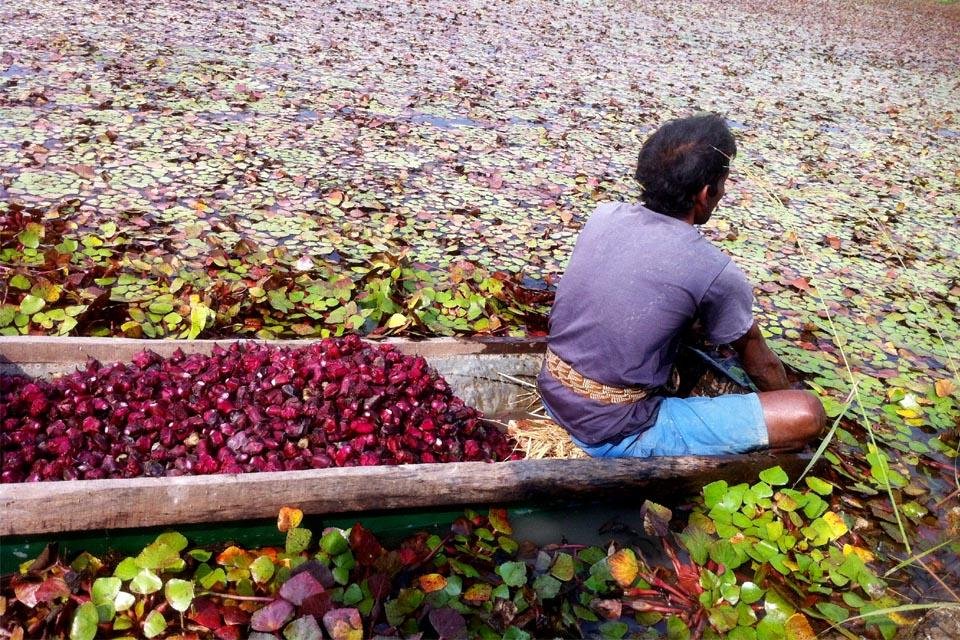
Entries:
{"x":475,"y":369}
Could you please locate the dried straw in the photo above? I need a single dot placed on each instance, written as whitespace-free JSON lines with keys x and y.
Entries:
{"x":536,"y":434}
{"x":543,"y":438}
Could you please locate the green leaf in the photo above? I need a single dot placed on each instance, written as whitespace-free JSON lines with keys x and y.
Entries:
{"x":127,"y":569}
{"x":677,"y":629}
{"x":31,"y":304}
{"x":106,"y":612}
{"x":199,"y":314}
{"x":261,"y":569}
{"x":352,"y":595}
{"x":777,"y":608}
{"x":7,"y":313}
{"x":30,"y":236}
{"x":217,"y":576}
{"x":340,"y":575}
{"x":105,"y":590}
{"x":514,"y":633}
{"x":697,"y":543}
{"x":822,"y":487}
{"x":774,"y":476}
{"x":179,"y":593}
{"x":145,"y":582}
{"x":160,"y":308}
{"x":200,"y":554}
{"x":723,"y":618}
{"x":611,"y":630}
{"x":158,"y":555}
{"x":563,"y":567}
{"x":154,"y":625}
{"x":742,"y":633}
{"x":123,"y":601}
{"x":750,"y":593}
{"x":174,"y":540}
{"x":514,"y":574}
{"x":20,"y":281}
{"x":546,"y":586}
{"x":333,"y":543}
{"x":723,"y":552}
{"x":298,"y":539}
{"x":714,"y":492}
{"x":832,"y":612}
{"x":771,"y":629}
{"x":84,"y":623}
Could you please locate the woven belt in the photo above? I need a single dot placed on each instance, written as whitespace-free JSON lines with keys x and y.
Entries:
{"x":584,"y":386}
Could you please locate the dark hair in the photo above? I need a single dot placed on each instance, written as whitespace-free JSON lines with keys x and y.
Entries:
{"x":682,"y":157}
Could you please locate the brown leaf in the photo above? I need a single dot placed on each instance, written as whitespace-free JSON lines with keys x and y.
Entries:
{"x":610,"y":609}
{"x":289,"y":518}
{"x":432,"y":582}
{"x":84,"y":171}
{"x":797,"y":627}
{"x":944,"y":388}
{"x":624,"y":567}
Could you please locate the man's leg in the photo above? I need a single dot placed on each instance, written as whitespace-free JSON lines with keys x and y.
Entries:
{"x":793,"y":418}
{"x":695,"y":426}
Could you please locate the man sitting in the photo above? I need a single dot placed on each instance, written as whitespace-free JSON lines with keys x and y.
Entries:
{"x":639,"y":278}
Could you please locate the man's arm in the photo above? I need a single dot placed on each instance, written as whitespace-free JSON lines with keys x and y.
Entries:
{"x":760,"y":362}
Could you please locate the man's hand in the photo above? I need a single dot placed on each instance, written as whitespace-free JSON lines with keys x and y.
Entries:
{"x":760,"y":362}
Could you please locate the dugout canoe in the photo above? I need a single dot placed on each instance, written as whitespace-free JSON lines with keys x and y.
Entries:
{"x":475,"y":368}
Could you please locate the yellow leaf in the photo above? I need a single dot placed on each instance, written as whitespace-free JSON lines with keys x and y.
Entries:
{"x":624,"y":567}
{"x":289,"y":518}
{"x":432,"y":582}
{"x":865,"y":554}
{"x":944,"y":388}
{"x":396,"y":320}
{"x":837,"y":526}
{"x":234,"y":556}
{"x":797,"y":627}
{"x":900,"y":619}
{"x":479,"y":592}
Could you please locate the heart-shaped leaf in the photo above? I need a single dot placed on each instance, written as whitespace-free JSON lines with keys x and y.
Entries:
{"x":84,"y":623}
{"x":303,"y":628}
{"x":300,"y":587}
{"x":343,"y":624}
{"x":179,"y":593}
{"x":624,"y":567}
{"x":154,"y":624}
{"x":272,"y":617}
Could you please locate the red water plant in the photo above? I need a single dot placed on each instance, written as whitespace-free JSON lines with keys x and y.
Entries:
{"x":249,"y":407}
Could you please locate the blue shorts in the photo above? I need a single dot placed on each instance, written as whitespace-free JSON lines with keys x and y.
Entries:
{"x":694,"y":426}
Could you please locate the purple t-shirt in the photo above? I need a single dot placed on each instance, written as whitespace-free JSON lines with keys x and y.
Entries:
{"x":635,"y":283}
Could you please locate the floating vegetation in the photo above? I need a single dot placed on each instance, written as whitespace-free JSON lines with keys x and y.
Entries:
{"x":424,"y":169}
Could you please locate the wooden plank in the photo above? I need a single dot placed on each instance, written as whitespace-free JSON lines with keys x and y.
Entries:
{"x":47,"y":507}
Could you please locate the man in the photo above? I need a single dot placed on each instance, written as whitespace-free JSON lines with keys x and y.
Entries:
{"x":639,"y":278}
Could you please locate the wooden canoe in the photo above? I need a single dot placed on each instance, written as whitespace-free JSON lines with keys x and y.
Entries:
{"x":472,"y":367}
